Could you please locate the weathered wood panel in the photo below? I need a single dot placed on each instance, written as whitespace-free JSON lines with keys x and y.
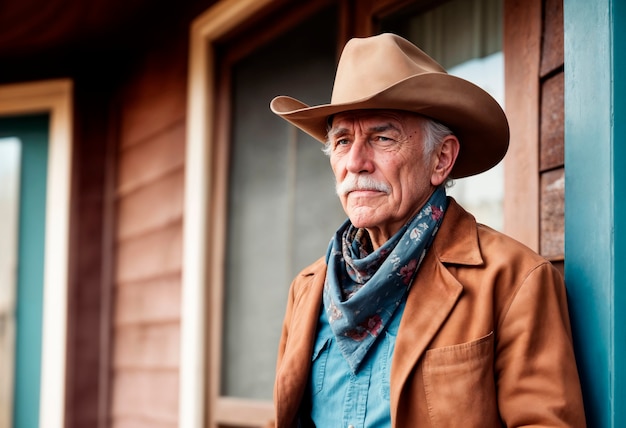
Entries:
{"x":150,"y":256}
{"x":143,"y":163}
{"x":147,"y":346}
{"x":156,"y":98}
{"x":552,"y":138}
{"x":141,"y":423}
{"x":152,"y":207}
{"x":153,"y":301}
{"x":553,"y":214}
{"x":146,"y":321}
{"x":145,"y":396}
{"x":552,"y":153}
{"x":552,"y":41}
{"x":533,"y":47}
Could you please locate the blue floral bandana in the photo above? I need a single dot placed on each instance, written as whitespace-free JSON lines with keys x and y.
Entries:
{"x":364,"y":288}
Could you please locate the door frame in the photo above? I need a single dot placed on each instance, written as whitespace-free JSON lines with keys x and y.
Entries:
{"x":55,"y":98}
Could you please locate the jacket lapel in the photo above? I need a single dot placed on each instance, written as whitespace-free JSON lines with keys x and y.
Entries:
{"x":433,"y":295}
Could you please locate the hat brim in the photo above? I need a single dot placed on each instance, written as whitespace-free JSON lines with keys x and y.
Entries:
{"x":471,"y":113}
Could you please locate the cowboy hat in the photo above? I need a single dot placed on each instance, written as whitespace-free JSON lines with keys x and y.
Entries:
{"x":389,"y":72}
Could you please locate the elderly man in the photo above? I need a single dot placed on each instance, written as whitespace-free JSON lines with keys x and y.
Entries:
{"x":418,"y":316}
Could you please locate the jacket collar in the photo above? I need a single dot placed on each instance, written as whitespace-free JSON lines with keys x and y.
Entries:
{"x":457,"y":240}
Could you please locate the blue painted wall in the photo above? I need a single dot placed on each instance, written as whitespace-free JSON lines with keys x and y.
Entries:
{"x":618,"y":13}
{"x":595,"y":193}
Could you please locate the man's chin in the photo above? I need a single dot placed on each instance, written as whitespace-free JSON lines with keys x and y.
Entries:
{"x":363,"y":217}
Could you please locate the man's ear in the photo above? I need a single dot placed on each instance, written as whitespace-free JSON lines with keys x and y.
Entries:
{"x":445,"y":157}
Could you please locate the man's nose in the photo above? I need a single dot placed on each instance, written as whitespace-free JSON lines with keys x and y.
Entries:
{"x":360,"y":157}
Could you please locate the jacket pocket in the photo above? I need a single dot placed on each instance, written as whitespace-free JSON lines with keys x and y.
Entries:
{"x":460,"y":386}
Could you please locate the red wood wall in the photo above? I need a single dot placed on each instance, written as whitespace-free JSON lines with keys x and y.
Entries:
{"x":148,"y":241}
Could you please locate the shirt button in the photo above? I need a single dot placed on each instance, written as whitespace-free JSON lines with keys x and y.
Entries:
{"x":350,"y":426}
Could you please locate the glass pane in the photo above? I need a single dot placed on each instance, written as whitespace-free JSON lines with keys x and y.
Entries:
{"x":282,"y":207}
{"x":465,"y":36}
{"x":9,"y":209}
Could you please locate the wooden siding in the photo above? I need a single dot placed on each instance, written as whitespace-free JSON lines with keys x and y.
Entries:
{"x":149,"y":204}
{"x":535,"y":170}
{"x":551,"y":135}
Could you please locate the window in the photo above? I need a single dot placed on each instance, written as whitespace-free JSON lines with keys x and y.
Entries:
{"x":282,"y":209}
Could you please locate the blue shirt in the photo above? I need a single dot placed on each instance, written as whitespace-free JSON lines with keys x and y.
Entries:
{"x":340,"y":398}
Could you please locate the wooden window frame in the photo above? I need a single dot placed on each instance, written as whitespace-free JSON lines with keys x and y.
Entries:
{"x":55,"y":98}
{"x":202,"y":287}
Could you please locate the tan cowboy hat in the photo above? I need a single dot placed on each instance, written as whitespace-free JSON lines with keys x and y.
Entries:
{"x":389,"y":72}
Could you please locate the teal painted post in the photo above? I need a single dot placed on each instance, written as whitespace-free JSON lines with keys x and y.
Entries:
{"x":619,"y":192}
{"x":595,"y":188}
{"x":33,"y":134}
{"x":29,"y":309}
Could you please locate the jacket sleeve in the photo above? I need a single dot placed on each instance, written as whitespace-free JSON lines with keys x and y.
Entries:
{"x":536,"y":373}
{"x":296,"y":342}
{"x":282,"y":343}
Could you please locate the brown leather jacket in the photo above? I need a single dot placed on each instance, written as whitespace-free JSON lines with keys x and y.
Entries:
{"x":484,"y":341}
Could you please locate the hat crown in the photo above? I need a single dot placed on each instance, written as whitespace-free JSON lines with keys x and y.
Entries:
{"x":369,"y":65}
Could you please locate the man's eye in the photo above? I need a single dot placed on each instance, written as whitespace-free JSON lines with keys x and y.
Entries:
{"x":382,"y":138}
{"x":342,"y":142}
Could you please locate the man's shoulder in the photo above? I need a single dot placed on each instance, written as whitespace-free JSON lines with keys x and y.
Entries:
{"x":317,"y":266}
{"x":497,"y":244}
{"x":305,"y":280}
{"x":462,"y":234}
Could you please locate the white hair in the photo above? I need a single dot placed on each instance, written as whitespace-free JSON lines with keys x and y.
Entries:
{"x":434,"y":134}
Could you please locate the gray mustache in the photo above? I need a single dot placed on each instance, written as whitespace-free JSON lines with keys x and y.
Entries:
{"x":361,"y":182}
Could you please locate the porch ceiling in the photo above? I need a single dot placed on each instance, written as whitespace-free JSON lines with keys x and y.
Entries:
{"x":31,"y":27}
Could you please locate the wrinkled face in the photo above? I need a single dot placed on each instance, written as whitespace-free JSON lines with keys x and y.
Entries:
{"x":381,"y":174}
